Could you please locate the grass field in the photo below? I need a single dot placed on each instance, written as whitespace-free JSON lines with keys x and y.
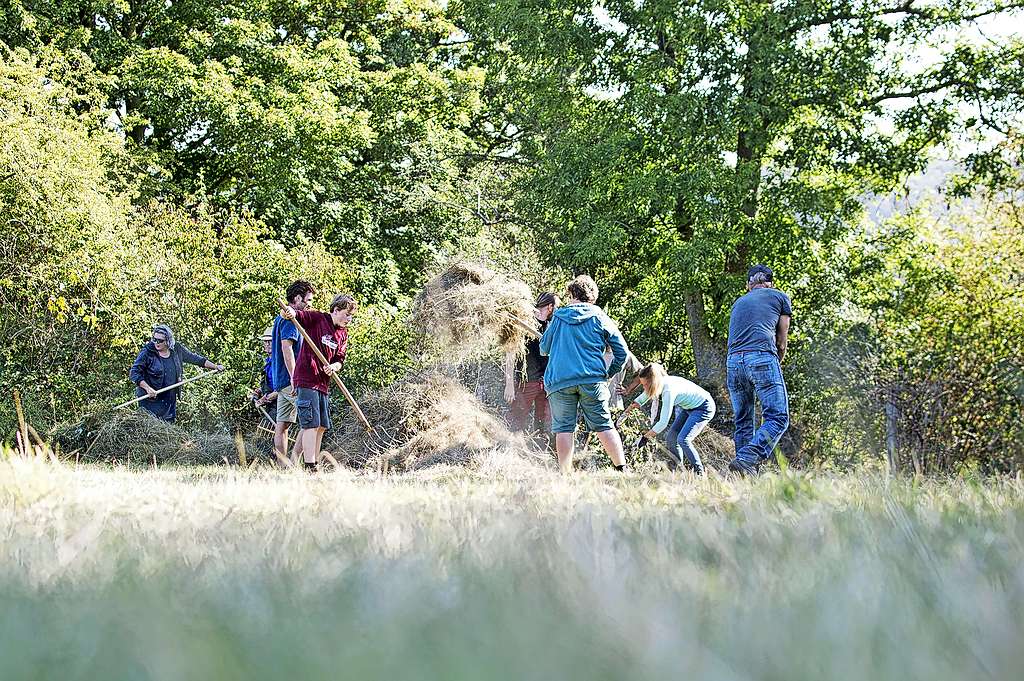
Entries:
{"x":506,"y":572}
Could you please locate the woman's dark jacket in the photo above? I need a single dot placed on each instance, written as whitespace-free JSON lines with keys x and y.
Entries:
{"x":148,"y":367}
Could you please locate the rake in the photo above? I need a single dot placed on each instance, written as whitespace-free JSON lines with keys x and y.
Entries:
{"x":523,"y":326}
{"x":170,"y":387}
{"x":378,"y":439}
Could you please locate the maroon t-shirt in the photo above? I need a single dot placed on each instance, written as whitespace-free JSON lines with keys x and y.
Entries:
{"x":330,"y":340}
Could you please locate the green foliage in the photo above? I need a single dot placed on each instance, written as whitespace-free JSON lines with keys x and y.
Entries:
{"x":224,"y":573}
{"x":86,"y":273}
{"x":181,"y":162}
{"x":936,"y":331}
{"x":675,"y":143}
{"x":379,"y":348}
{"x":346,"y":121}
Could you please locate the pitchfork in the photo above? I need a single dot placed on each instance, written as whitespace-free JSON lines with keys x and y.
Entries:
{"x":379,"y":440}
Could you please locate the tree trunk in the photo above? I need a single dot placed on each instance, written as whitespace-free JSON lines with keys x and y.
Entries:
{"x":708,"y":353}
{"x":138,"y":132}
{"x":892,"y":420}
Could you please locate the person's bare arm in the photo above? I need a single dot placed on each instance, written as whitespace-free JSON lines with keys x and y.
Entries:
{"x":782,"y":336}
{"x":628,"y":389}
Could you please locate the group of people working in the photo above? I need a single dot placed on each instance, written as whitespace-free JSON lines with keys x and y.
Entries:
{"x":577,"y":366}
{"x":304,"y":348}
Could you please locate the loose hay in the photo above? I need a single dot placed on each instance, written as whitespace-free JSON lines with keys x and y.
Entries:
{"x":140,"y":438}
{"x":433,"y":420}
{"x":468,"y":309}
{"x":716,"y":450}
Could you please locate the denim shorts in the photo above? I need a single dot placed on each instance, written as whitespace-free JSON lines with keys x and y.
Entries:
{"x":592,"y":398}
{"x":314,"y":409}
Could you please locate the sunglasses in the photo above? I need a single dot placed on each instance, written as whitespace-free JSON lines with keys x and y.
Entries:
{"x":158,"y":340}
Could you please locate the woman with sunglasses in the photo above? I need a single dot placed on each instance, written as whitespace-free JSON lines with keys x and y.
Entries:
{"x":160,"y":364}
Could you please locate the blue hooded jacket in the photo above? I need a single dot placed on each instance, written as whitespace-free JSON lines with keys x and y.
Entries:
{"x":575,"y":341}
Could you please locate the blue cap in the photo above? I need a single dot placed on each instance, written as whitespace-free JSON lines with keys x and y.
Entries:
{"x":760,"y":269}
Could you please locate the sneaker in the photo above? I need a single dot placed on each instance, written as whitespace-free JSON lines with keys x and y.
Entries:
{"x":624,"y":468}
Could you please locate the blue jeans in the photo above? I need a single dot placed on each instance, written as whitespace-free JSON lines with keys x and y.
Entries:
{"x":687,"y":424}
{"x":750,"y":374}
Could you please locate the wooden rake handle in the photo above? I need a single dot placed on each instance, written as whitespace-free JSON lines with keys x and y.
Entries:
{"x":335,"y":376}
{"x":170,"y":387}
{"x":530,"y":331}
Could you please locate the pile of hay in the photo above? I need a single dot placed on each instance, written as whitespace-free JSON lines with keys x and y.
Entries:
{"x":468,"y":309}
{"x":716,"y":450}
{"x":425,"y":419}
{"x":139,"y":438}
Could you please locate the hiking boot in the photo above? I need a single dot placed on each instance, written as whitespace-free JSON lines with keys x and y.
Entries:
{"x":744,"y":469}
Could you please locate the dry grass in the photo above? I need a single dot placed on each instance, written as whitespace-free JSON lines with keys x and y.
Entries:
{"x":468,"y":310}
{"x":500,"y":571}
{"x":430,"y":419}
{"x":134,"y":435}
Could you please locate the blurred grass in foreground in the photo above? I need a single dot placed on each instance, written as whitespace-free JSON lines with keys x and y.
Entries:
{"x":505,"y":572}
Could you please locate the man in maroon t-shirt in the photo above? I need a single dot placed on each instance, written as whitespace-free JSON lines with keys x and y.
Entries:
{"x":329,"y":332}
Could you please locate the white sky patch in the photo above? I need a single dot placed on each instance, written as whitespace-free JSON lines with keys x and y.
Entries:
{"x":606,"y":21}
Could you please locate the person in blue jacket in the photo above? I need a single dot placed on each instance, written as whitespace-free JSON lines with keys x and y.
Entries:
{"x":576,"y":377}
{"x":160,"y":364}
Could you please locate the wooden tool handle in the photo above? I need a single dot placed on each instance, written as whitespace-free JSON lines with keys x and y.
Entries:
{"x":525,"y":327}
{"x":335,"y":376}
{"x":170,"y":387}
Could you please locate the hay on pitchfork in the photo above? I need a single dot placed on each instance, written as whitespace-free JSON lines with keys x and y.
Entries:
{"x":432,"y":419}
{"x":468,"y":309}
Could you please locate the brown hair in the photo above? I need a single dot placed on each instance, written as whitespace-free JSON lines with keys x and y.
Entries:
{"x":298,"y":288}
{"x":655,"y":373}
{"x":342,"y":301}
{"x":583,"y":289}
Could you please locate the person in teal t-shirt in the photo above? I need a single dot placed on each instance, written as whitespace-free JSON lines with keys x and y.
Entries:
{"x":684,"y":404}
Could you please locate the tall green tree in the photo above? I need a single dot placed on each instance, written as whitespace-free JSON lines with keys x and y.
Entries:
{"x":674,"y":143}
{"x":343,"y":120}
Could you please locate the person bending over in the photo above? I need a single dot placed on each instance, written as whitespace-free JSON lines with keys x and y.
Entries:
{"x":685,"y":404}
